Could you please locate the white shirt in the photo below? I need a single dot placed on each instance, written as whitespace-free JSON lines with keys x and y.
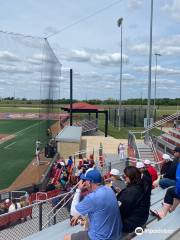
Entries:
{"x":75,"y":201}
{"x":12,"y":207}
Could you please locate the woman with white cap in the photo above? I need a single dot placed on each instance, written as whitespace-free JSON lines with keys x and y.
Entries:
{"x":146,"y":180}
{"x":116,"y":183}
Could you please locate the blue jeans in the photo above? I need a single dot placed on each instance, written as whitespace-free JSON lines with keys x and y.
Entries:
{"x":166,"y":182}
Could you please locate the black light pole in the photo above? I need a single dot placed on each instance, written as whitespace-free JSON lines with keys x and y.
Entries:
{"x":119,"y":23}
{"x":155,"y":83}
{"x":71,"y":95}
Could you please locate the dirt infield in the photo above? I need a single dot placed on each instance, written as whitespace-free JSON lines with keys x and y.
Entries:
{"x":55,"y":128}
{"x":5,"y":137}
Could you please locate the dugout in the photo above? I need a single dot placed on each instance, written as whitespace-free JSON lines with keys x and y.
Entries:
{"x":69,"y":141}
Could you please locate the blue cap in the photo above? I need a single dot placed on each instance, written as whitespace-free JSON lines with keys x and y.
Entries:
{"x":93,"y":175}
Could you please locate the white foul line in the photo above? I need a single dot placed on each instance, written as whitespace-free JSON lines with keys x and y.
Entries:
{"x":18,"y":133}
{"x":9,"y":145}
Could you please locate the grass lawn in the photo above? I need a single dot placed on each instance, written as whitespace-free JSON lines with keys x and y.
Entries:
{"x":123,"y":132}
{"x":18,"y":152}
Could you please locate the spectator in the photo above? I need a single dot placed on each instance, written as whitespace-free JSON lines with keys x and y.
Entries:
{"x":117,"y":184}
{"x":101,"y":207}
{"x":3,"y":209}
{"x":169,"y":177}
{"x":167,"y":162}
{"x":7,"y":203}
{"x":152,"y":171}
{"x":23,"y":201}
{"x":172,"y":197}
{"x":70,"y":161}
{"x":134,"y":206}
{"x":146,"y":180}
{"x":50,"y":187}
{"x":14,"y":206}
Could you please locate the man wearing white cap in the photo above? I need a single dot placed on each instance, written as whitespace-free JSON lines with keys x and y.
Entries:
{"x":152,"y":171}
{"x":166,"y":164}
{"x":117,"y":183}
{"x":169,"y":176}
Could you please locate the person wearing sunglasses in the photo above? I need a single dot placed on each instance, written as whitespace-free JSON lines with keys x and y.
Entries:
{"x":134,"y":206}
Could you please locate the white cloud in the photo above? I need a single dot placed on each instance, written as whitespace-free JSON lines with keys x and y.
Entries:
{"x":8,"y":57}
{"x":14,"y":69}
{"x":169,"y":46}
{"x":160,"y":70}
{"x":132,"y":4}
{"x":93,"y":57}
{"x":173,"y":9}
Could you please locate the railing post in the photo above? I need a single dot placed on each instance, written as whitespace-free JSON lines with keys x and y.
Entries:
{"x":127,"y":162}
{"x":40,"y":217}
{"x":54,"y":218}
{"x":109,"y":166}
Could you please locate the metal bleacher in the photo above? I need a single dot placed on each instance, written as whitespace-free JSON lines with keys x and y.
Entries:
{"x":171,"y":139}
{"x":164,"y":229}
{"x":171,"y":222}
{"x":55,"y":232}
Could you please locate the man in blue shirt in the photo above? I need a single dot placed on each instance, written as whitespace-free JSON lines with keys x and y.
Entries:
{"x":102,"y":210}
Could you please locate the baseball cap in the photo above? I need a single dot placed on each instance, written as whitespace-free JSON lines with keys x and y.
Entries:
{"x":93,"y":175}
{"x":115,"y":172}
{"x":177,"y":149}
{"x":166,"y":156}
{"x":139,"y":165}
{"x":147,"y":161}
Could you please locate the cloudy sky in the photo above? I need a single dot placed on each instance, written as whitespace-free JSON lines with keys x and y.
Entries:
{"x":85,"y":37}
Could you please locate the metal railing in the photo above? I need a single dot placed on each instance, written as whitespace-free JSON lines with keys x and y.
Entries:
{"x":162,"y":121}
{"x":133,"y":142}
{"x":66,"y":199}
{"x":157,"y":160}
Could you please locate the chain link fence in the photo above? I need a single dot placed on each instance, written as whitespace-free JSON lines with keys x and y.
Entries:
{"x":31,"y":219}
{"x":130,"y":117}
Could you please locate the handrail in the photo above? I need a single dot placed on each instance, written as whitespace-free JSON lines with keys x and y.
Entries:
{"x":162,"y":121}
{"x":65,"y":195}
{"x":154,"y":151}
{"x":54,"y":214}
{"x":134,"y":138}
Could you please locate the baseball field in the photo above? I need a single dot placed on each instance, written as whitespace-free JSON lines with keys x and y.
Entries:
{"x":17,"y":146}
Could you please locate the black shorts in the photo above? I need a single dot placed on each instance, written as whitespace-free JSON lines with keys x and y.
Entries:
{"x":81,"y":235}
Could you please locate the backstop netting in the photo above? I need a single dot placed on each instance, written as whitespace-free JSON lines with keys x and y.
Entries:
{"x":29,"y":88}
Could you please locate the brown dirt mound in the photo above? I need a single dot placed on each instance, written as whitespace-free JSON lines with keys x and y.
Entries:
{"x":5,"y":137}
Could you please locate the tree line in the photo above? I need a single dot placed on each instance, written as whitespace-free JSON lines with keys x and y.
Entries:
{"x":109,"y":101}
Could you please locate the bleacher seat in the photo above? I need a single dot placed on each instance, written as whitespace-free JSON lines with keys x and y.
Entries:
{"x":55,"y":232}
{"x":171,"y":139}
{"x":157,"y":195}
{"x":168,"y":226}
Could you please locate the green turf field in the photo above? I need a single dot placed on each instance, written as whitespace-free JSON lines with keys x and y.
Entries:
{"x":18,"y":152}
